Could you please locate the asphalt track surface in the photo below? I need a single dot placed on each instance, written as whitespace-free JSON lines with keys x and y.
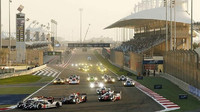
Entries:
{"x":132,"y":100}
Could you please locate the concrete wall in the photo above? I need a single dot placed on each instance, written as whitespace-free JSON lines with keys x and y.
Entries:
{"x":2,"y":76}
{"x":117,"y":57}
{"x":136,"y":62}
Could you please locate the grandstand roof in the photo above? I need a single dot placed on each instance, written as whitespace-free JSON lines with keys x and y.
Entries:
{"x":151,"y":15}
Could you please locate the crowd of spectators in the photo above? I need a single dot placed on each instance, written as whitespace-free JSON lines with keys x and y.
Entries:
{"x":141,"y":44}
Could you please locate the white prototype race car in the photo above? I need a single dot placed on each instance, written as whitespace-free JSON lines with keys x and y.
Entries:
{"x":39,"y":103}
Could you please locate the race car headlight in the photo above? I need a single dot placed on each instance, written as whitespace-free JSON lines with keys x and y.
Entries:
{"x":54,"y":81}
{"x":92,"y":85}
{"x":67,"y":79}
{"x":133,"y":83}
{"x":72,"y":64}
{"x":88,"y":78}
{"x":76,"y":65}
{"x":102,"y":77}
{"x":124,"y":83}
{"x":95,"y":79}
{"x":105,"y":80}
{"x":101,"y":85}
{"x":113,"y":80}
{"x":62,"y":81}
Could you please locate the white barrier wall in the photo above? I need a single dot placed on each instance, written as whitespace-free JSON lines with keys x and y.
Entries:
{"x":2,"y":76}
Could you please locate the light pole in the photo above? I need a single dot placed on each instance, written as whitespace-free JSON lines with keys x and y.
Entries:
{"x":0,"y":27}
{"x":191,"y":24}
{"x":9,"y":26}
{"x":80,"y":24}
{"x":166,"y":4}
{"x":174,"y":3}
{"x":10,"y":1}
{"x":171,"y":34}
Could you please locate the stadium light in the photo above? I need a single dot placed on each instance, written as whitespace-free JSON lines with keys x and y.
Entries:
{"x":20,"y":8}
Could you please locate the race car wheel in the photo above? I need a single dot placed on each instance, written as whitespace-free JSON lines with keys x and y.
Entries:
{"x":57,"y":105}
{"x":39,"y":106}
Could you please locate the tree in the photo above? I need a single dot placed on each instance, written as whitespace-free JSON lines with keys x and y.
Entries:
{"x":195,"y":45}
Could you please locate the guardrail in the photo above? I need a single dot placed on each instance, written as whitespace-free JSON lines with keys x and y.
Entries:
{"x":5,"y":70}
{"x":7,"y":75}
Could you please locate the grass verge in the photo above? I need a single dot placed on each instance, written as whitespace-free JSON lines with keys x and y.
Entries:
{"x":4,"y":106}
{"x":20,"y":79}
{"x":18,"y":90}
{"x":169,"y":91}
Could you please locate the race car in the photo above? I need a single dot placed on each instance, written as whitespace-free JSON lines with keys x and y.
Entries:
{"x":92,"y":78}
{"x":99,"y":64}
{"x":104,"y":76}
{"x":73,"y":77}
{"x":89,"y":58}
{"x":109,"y":79}
{"x":102,"y":68}
{"x":110,"y":96}
{"x":40,"y":103}
{"x":75,"y":98}
{"x":74,"y":81}
{"x":74,"y":65}
{"x":22,"y":104}
{"x":102,"y":90}
{"x":59,"y":81}
{"x":96,"y":84}
{"x":129,"y":83}
{"x":122,"y":78}
{"x":85,"y":68}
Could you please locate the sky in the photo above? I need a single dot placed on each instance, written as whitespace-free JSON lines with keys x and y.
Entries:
{"x":98,"y":13}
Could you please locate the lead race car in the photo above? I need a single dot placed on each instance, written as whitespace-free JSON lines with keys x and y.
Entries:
{"x":75,"y":98}
{"x":39,"y":103}
{"x":73,"y":79}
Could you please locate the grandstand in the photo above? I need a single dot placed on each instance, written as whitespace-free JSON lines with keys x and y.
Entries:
{"x":149,"y":44}
{"x":150,"y":29}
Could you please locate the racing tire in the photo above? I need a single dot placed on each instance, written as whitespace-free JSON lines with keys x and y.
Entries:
{"x":57,"y":105}
{"x":39,"y":107}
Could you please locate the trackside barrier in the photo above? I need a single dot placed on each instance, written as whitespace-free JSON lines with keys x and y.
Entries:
{"x":194,"y":91}
{"x":3,"y":76}
{"x":7,"y":70}
{"x":183,"y":85}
